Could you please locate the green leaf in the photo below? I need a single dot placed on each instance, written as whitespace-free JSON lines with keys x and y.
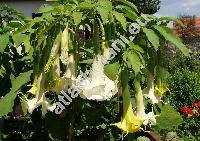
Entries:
{"x":120,"y":17}
{"x":18,"y":38}
{"x":111,"y":70}
{"x":7,"y":102}
{"x":177,"y":21}
{"x":77,"y":17}
{"x":169,"y":35}
{"x":150,"y":17}
{"x":135,"y":47}
{"x":127,"y":12}
{"x":27,"y":44}
{"x":152,"y":37}
{"x":87,"y":4}
{"x":134,"y":61}
{"x":15,"y":24}
{"x":169,"y":118}
{"x":4,"y":39}
{"x":133,"y":7}
{"x":104,"y":13}
{"x":106,"y":4}
{"x":104,"y":7}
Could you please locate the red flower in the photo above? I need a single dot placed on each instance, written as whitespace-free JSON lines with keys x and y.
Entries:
{"x":186,"y":110}
{"x":196,"y":104}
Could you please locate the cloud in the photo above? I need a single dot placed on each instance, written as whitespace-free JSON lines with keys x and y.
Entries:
{"x":189,"y":3}
{"x":173,"y":8}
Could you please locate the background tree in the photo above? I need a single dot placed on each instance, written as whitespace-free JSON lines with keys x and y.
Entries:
{"x":190,"y":32}
{"x":147,"y":6}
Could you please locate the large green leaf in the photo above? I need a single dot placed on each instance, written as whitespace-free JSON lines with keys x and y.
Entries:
{"x":152,"y":37}
{"x":169,"y":118}
{"x":18,"y":38}
{"x":104,"y":7}
{"x":87,"y":4}
{"x":7,"y":102}
{"x":120,"y":17}
{"x":106,"y":4}
{"x":134,"y":61}
{"x":111,"y":70}
{"x":127,"y":12}
{"x":135,"y":47}
{"x":133,"y":7}
{"x":4,"y":39}
{"x":169,"y":35}
{"x":104,"y":13}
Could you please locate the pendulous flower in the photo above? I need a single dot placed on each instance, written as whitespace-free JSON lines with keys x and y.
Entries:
{"x":130,"y":122}
{"x":97,"y":86}
{"x":148,"y":118}
{"x":40,"y":99}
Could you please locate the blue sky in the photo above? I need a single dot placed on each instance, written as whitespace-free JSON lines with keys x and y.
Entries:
{"x":173,"y":8}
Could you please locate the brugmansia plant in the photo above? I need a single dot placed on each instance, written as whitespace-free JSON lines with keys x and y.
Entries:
{"x":98,"y":49}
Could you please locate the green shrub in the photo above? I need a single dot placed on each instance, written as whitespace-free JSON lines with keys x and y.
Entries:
{"x":184,"y":85}
{"x":185,"y":88}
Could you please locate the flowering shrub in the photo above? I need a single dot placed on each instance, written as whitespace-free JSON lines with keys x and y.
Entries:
{"x":70,"y":39}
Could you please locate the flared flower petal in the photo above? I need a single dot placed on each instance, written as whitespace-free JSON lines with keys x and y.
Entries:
{"x":160,"y":90}
{"x":150,"y":93}
{"x":97,"y":86}
{"x":36,"y":102}
{"x":46,"y":105}
{"x":130,"y":122}
{"x":40,"y":99}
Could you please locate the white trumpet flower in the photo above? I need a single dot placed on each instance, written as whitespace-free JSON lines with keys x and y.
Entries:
{"x":97,"y":86}
{"x":40,"y":99}
{"x":148,"y":118}
{"x":149,"y":92}
{"x":36,"y":102}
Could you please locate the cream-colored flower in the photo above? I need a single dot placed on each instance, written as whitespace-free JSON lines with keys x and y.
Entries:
{"x":40,"y":98}
{"x":36,"y":102}
{"x":97,"y":86}
{"x":148,"y":118}
{"x":149,"y":92}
